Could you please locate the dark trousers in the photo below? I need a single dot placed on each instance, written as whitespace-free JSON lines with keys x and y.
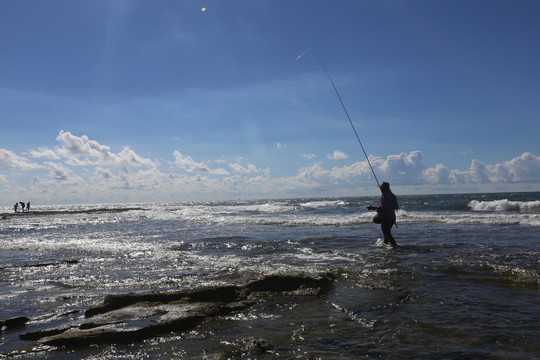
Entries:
{"x":386,"y":227}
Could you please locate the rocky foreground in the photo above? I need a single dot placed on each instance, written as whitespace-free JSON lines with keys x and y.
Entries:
{"x":134,"y":317}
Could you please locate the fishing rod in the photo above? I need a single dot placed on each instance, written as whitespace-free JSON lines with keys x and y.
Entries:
{"x":344,"y":109}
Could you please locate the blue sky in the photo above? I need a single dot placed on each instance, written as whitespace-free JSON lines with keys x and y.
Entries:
{"x":128,"y":101}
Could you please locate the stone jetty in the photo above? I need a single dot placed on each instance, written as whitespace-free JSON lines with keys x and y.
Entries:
{"x":5,"y":216}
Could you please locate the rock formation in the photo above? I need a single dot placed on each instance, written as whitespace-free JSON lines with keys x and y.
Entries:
{"x":134,"y":317}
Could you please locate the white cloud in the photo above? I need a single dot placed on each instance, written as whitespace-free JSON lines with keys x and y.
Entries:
{"x":129,"y":157}
{"x":10,"y":160}
{"x":337,"y":155}
{"x":348,"y":172}
{"x":58,"y":178}
{"x":314,"y":171}
{"x":63,"y":174}
{"x":81,"y":151}
{"x":142,"y":180}
{"x":187,"y":162}
{"x":437,"y":175}
{"x":402,"y":168}
{"x":237,"y":168}
{"x":407,"y":169}
{"x":524,"y":168}
{"x":75,"y":146}
{"x":479,"y":172}
{"x":60,"y":183}
{"x":220,"y":171}
{"x":102,"y":173}
{"x":46,"y":153}
{"x":281,"y":146}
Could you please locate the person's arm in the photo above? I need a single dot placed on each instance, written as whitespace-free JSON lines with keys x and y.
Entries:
{"x":371,"y":207}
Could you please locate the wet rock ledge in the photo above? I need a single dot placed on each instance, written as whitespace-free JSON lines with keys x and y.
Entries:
{"x":134,"y":317}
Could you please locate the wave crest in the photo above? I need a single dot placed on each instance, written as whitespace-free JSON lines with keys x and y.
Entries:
{"x":505,"y":205}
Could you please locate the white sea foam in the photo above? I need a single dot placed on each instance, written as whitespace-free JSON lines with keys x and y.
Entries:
{"x":477,"y":217}
{"x":270,"y":207}
{"x":320,"y":204}
{"x":505,"y":205}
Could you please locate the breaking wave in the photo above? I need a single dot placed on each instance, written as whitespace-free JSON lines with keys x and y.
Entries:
{"x":505,"y":205}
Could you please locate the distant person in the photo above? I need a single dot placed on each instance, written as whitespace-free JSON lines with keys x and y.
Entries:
{"x":28,"y":206}
{"x":16,"y":207}
{"x":386,"y":215}
{"x":22,"y":205}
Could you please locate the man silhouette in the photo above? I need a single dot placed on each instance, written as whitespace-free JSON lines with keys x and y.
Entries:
{"x":386,"y":215}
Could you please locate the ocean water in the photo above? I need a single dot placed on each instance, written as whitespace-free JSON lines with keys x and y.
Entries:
{"x":463,"y":282}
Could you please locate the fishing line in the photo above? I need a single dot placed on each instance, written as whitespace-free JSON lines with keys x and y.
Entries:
{"x":344,"y":108}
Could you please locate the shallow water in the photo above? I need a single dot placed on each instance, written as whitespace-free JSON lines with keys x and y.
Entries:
{"x":463,"y":282}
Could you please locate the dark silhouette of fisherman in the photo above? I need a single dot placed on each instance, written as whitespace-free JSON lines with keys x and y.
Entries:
{"x":386,"y":215}
{"x":22,"y":205}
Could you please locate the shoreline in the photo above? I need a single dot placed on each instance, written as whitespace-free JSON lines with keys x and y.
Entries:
{"x":66,"y":212}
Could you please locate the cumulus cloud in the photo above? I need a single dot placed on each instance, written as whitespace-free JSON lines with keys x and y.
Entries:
{"x":75,"y":146}
{"x":281,"y":146}
{"x":521,"y":169}
{"x":81,"y":151}
{"x":45,"y":153}
{"x":479,"y":172}
{"x":408,"y":169}
{"x":349,"y":172}
{"x":314,"y":171}
{"x":401,"y":168}
{"x":187,"y":162}
{"x":405,"y":168}
{"x":60,"y":182}
{"x":58,"y":177}
{"x":10,"y":160}
{"x":128,"y":157}
{"x":524,"y":168}
{"x":250,"y":168}
{"x":437,"y":175}
{"x":141,"y":180}
{"x":61,"y":173}
{"x":102,"y":173}
{"x":337,"y":155}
